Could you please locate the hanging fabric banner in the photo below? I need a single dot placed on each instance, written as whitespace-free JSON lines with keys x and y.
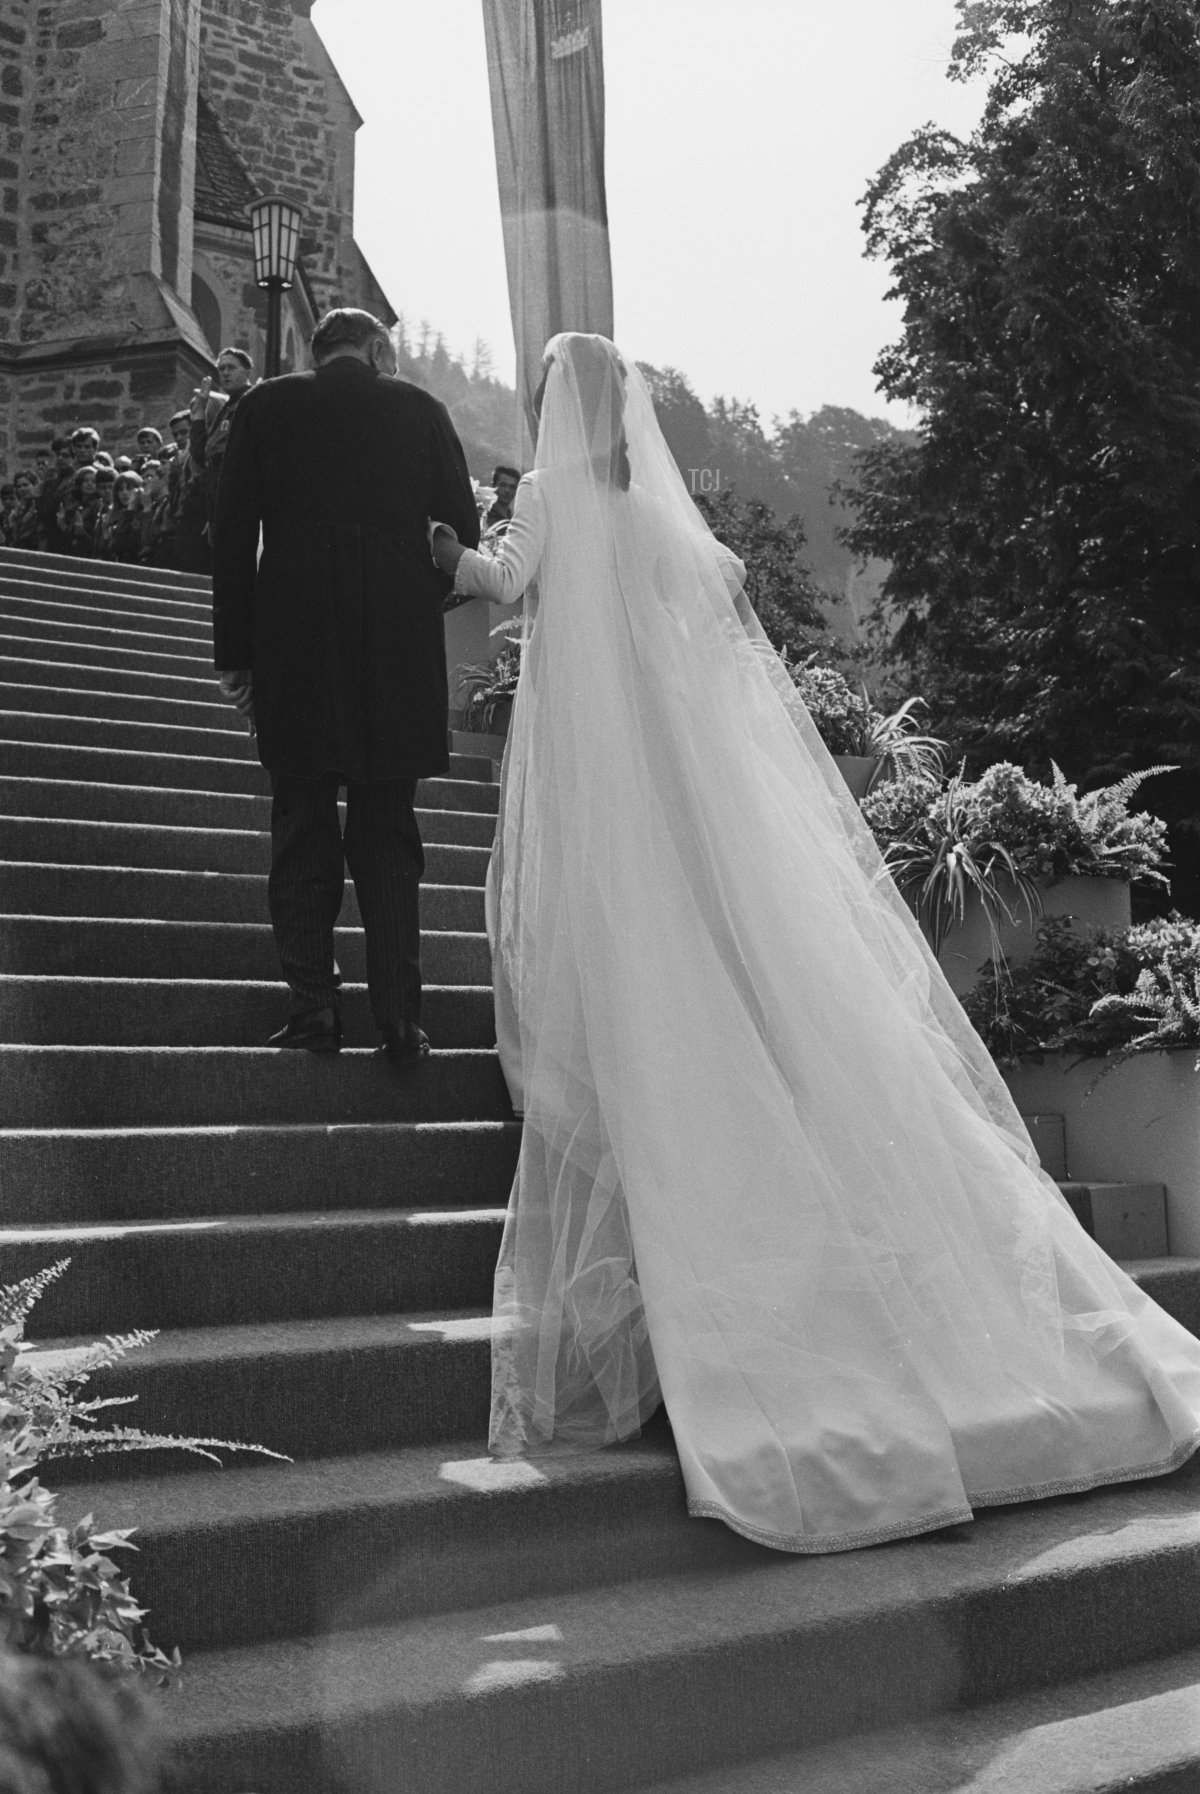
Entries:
{"x":546,"y":70}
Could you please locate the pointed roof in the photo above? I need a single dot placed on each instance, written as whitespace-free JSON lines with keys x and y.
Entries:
{"x":223,"y":187}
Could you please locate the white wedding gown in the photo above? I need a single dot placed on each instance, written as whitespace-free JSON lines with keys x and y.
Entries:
{"x":767,"y":1168}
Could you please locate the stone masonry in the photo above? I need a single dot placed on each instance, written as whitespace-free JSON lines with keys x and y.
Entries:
{"x":132,"y":134}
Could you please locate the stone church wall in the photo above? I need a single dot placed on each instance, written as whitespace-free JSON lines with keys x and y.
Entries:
{"x":283,"y":106}
{"x":98,"y":118}
{"x":100,"y":237}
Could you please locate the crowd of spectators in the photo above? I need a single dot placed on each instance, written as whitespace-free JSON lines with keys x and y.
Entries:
{"x":150,"y":502}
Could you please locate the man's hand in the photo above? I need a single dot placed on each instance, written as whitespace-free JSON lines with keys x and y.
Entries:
{"x":237,"y":688}
{"x":200,"y":397}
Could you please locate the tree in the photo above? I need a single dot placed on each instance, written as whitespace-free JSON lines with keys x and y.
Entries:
{"x":1044,"y":533}
{"x":778,"y":586}
{"x":681,"y":418}
{"x":483,"y":365}
{"x":818,"y":455}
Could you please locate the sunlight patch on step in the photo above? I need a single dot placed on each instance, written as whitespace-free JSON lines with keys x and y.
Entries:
{"x":1087,"y":1549}
{"x":530,"y":1635}
{"x":490,"y":1475}
{"x":112,"y":1230}
{"x":1135,"y":1742}
{"x":57,"y":1359}
{"x":512,"y":1673}
{"x":448,"y":1217}
{"x":467,"y":1326}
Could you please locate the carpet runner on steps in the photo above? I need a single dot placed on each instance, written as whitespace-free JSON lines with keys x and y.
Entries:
{"x":393,"y":1613}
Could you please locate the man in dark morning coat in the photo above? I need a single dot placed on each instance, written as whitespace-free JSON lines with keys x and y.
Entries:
{"x":333,"y":644}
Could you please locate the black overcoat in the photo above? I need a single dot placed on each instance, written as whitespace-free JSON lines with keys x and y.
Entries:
{"x":341,"y":621}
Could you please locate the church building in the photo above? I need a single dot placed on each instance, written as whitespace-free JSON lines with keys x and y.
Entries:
{"x":133,"y":136}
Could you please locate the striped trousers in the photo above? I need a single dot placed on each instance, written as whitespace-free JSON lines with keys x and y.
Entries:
{"x":309,"y":857}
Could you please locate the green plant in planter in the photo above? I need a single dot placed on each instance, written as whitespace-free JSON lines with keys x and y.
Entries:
{"x":1166,"y":1003}
{"x":60,"y":1592}
{"x":1092,"y":993}
{"x":944,"y":840}
{"x":1052,"y":832}
{"x":894,"y":739}
{"x":839,"y":713}
{"x":945,"y":859}
{"x":489,"y":686}
{"x":848,"y":722}
{"x":1026,"y":1011}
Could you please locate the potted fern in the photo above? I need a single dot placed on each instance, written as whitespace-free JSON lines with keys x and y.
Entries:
{"x":61,"y":1593}
{"x":983,"y":861}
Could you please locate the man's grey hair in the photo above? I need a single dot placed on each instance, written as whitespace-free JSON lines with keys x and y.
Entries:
{"x":346,"y":328}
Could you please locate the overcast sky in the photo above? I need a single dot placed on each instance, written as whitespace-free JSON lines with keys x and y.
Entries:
{"x":740,"y":136}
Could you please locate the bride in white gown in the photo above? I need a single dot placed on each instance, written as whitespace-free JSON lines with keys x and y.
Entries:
{"x":768,"y":1173}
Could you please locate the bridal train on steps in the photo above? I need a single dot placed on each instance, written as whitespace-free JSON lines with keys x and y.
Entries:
{"x":768,"y":1173}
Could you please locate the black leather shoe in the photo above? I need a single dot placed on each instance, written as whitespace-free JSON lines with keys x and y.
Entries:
{"x":316,"y":1031}
{"x":405,"y":1045}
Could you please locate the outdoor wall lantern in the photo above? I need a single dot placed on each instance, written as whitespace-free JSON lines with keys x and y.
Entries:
{"x":275,"y":225}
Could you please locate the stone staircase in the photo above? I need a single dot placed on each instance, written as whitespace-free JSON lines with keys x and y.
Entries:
{"x":393,"y":1613}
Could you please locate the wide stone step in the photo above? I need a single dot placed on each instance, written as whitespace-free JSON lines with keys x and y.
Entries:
{"x":309,"y":1389}
{"x":115,"y":891}
{"x":645,"y":1681}
{"x":57,"y":1176}
{"x":207,"y":1012}
{"x":190,"y":608}
{"x":121,"y":655}
{"x":111,"y":675}
{"x":231,"y":771}
{"x":174,"y":807}
{"x":72,"y":730}
{"x":1134,"y":1728}
{"x":373,"y":1529}
{"x":157,"y":848}
{"x":213,"y":739}
{"x":54,"y":569}
{"x":101,"y":947}
{"x":127,"y":636}
{"x":53,"y":1086}
{"x":227,"y":1270}
{"x":225,"y":773}
{"x":1174,"y":1284}
{"x":115,"y":692}
{"x":116,"y":706}
{"x":189,"y":624}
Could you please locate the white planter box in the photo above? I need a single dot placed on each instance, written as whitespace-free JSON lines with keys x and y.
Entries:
{"x":1141,"y":1125}
{"x":1091,"y":902}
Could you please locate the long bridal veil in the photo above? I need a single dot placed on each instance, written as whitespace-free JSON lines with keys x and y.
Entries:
{"x":768,"y":1172}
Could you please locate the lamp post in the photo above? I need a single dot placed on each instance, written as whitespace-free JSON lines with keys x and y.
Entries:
{"x":275,"y":224}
